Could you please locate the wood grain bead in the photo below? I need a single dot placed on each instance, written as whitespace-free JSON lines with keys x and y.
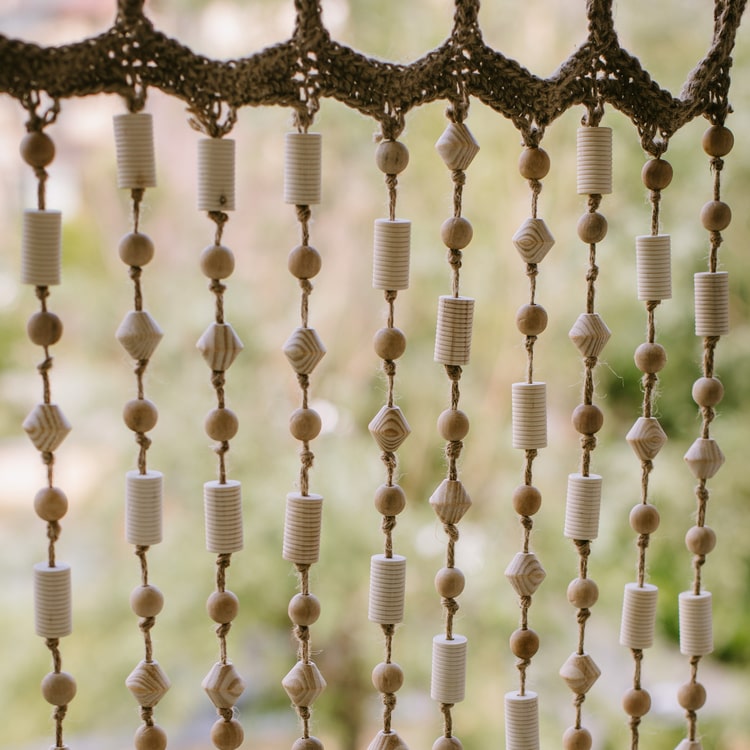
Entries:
{"x":216,"y":174}
{"x":457,"y":146}
{"x":657,"y":174}
{"x":700,"y":540}
{"x":522,"y":721}
{"x":223,"y":606}
{"x":526,"y":500}
{"x":221,"y":424}
{"x":46,"y":427}
{"x":691,"y":696}
{"x":139,"y":334}
{"x":50,"y":504}
{"x":136,"y":249}
{"x":41,"y":248}
{"x":577,"y":739}
{"x":456,"y":232}
{"x":390,"y":499}
{"x":307,"y":743}
{"x":305,"y":424}
{"x":525,"y":573}
{"x":387,"y":677}
{"x":389,"y":428}
{"x":636,"y":702}
{"x":217,"y":262}
{"x":533,"y":163}
{"x":450,"y":501}
{"x":650,"y":357}
{"x":449,"y":582}
{"x":304,"y":609}
{"x":580,"y":672}
{"x":447,"y":743}
{"x":223,"y":685}
{"x":391,"y":157}
{"x":150,"y":737}
{"x":227,"y":735}
{"x":37,"y":149}
{"x":387,"y":741}
{"x":531,"y":319}
{"x":140,"y":415}
{"x":644,"y":518}
{"x":587,"y":419}
{"x":524,"y":643}
{"x":146,"y":601}
{"x":44,"y":328}
{"x":533,"y":240}
{"x":389,"y":343}
{"x":708,"y":391}
{"x":455,"y":319}
{"x":716,"y":216}
{"x":583,"y":593}
{"x":646,"y":437}
{"x":589,"y":334}
{"x":58,"y":688}
{"x":304,"y":683}
{"x":592,"y":227}
{"x":304,"y":262}
{"x":453,"y":425}
{"x":717,"y":140}
{"x":704,"y":458}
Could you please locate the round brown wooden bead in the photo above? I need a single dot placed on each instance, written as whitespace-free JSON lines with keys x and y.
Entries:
{"x":592,"y":227}
{"x":58,"y":688}
{"x":221,"y":424}
{"x":227,"y":735}
{"x":587,"y":419}
{"x":140,"y":415}
{"x":389,"y":343}
{"x":715,"y":216}
{"x":533,"y":163}
{"x":307,"y":743}
{"x":636,"y":702}
{"x":222,"y":606}
{"x":387,"y":677}
{"x":583,"y":593}
{"x":700,"y":540}
{"x":656,"y":174}
{"x":44,"y":328}
{"x":449,"y":582}
{"x":531,"y":320}
{"x":217,"y":262}
{"x":650,"y":357}
{"x":391,"y":157}
{"x":447,"y":743}
{"x":150,"y":737}
{"x":717,"y":140}
{"x":577,"y":739}
{"x":526,"y":500}
{"x":453,"y":425}
{"x":37,"y":149}
{"x":146,"y":601}
{"x":691,"y":696}
{"x":644,"y":518}
{"x":390,"y":499}
{"x":50,"y":504}
{"x":456,"y":232}
{"x":304,"y":609}
{"x":136,"y":249}
{"x":708,"y":391}
{"x":305,"y":424}
{"x":304,"y":262}
{"x":524,"y":643}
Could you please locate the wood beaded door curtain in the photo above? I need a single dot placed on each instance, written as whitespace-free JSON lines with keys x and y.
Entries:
{"x":132,"y":57}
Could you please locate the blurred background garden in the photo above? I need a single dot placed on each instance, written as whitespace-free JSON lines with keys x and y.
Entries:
{"x":92,"y":378}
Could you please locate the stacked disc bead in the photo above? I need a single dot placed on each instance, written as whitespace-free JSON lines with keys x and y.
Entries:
{"x":139,"y":335}
{"x":389,"y":428}
{"x":304,"y":683}
{"x":46,"y":425}
{"x":533,"y":240}
{"x":583,"y":500}
{"x":222,"y":498}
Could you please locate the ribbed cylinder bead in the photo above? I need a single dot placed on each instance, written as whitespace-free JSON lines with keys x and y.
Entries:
{"x":387,"y":586}
{"x":638,"y":616}
{"x":522,"y":721}
{"x":302,"y":168}
{"x":455,"y":319}
{"x":53,"y":612}
{"x":696,"y":623}
{"x":216,"y":174}
{"x":594,"y":159}
{"x":143,"y":508}
{"x":302,"y":524}
{"x":223,"y":513}
{"x":41,"y":247}
{"x":134,"y":148}
{"x":582,"y":506}
{"x":448,"y":683}
{"x":391,"y":254}
{"x":711,"y":303}
{"x":529,"y":410}
{"x":653,"y":260}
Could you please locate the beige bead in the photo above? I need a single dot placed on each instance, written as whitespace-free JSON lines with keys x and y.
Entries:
{"x":390,"y":500}
{"x":691,"y":696}
{"x":219,"y":345}
{"x":529,"y":415}
{"x":139,"y":334}
{"x":457,"y":146}
{"x":455,"y":319}
{"x":708,"y":391}
{"x":304,"y":350}
{"x":653,"y":258}
{"x":533,"y":240}
{"x":216,"y":174}
{"x":650,"y":357}
{"x":700,"y":540}
{"x":302,"y":168}
{"x":646,"y":437}
{"x":46,"y":427}
{"x":143,"y":507}
{"x":453,"y":425}
{"x":136,"y":249}
{"x":140,"y":415}
{"x":304,"y":262}
{"x":456,"y":232}
{"x":53,"y":614}
{"x":704,"y":458}
{"x":524,"y":643}
{"x":389,"y":343}
{"x":587,"y":419}
{"x":134,"y":147}
{"x":711,"y":303}
{"x":223,"y":685}
{"x":447,"y":743}
{"x":223,"y":606}
{"x":449,"y":582}
{"x":37,"y":149}
{"x":577,"y":739}
{"x":526,"y":500}
{"x":302,"y":523}
{"x":450,"y":501}
{"x":582,"y":506}
{"x":594,"y":160}
{"x":525,"y":573}
{"x":580,"y":673}
{"x":304,"y":683}
{"x":531,"y":320}
{"x":58,"y":688}
{"x":221,"y":424}
{"x":717,"y":140}
{"x":50,"y":504}
{"x":41,"y":248}
{"x":222,"y":506}
{"x":589,"y":334}
{"x":387,"y":741}
{"x":644,"y":518}
{"x":521,"y":721}
{"x":150,"y":737}
{"x":148,"y":683}
{"x":391,"y":254}
{"x":387,"y":677}
{"x":657,"y":174}
{"x":583,"y":593}
{"x":307,"y":743}
{"x":217,"y":262}
{"x":688,"y":744}
{"x":716,"y":216}
{"x":636,"y":702}
{"x":696,"y":627}
{"x":304,"y":609}
{"x":391,"y":157}
{"x":44,"y":328}
{"x":387,"y":588}
{"x":592,"y":227}
{"x":533,"y":163}
{"x":638,"y":616}
{"x":305,"y":424}
{"x":146,"y":601}
{"x":389,"y":428}
{"x":448,"y":682}
{"x":227,"y":735}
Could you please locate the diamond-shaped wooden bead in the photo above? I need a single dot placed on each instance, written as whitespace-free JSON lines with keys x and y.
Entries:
{"x":387,"y":741}
{"x":389,"y":428}
{"x":139,"y":334}
{"x":580,"y":673}
{"x":590,"y":334}
{"x":219,"y":346}
{"x":704,"y":458}
{"x":47,"y":427}
{"x":148,"y":683}
{"x":304,"y":350}
{"x":303,"y":683}
{"x":457,"y":146}
{"x":646,"y":438}
{"x":450,"y":501}
{"x":525,"y":573}
{"x":223,"y":685}
{"x":533,"y":240}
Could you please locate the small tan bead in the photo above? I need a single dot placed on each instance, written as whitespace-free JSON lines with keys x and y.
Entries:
{"x":217,"y":262}
{"x":44,"y":328}
{"x":587,"y":419}
{"x":531,"y":320}
{"x":390,"y":500}
{"x":389,"y":343}
{"x":387,"y":677}
{"x":37,"y":149}
{"x":715,"y":216}
{"x":592,"y":227}
{"x":447,"y":743}
{"x":456,"y":232}
{"x":227,"y":735}
{"x":305,"y":424}
{"x":453,"y":425}
{"x":524,"y":643}
{"x":708,"y":391}
{"x":691,"y":696}
{"x":636,"y":702}
{"x":449,"y":582}
{"x":657,"y":174}
{"x":533,"y":163}
{"x":717,"y":140}
{"x":583,"y":593}
{"x":221,"y":424}
{"x":58,"y":688}
{"x":50,"y":504}
{"x":700,"y":540}
{"x":136,"y":249}
{"x":526,"y":500}
{"x":304,"y":262}
{"x":304,"y":609}
{"x":391,"y":157}
{"x":146,"y":601}
{"x":150,"y":737}
{"x":577,"y":739}
{"x":644,"y":518}
{"x":222,"y":606}
{"x":140,"y":415}
{"x":650,"y":357}
{"x":307,"y":743}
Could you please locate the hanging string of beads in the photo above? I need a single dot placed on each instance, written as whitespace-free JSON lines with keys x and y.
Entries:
{"x":220,"y":346}
{"x":704,"y":457}
{"x":389,"y":428}
{"x":46,"y":425}
{"x":589,"y":334}
{"x":533,"y":240}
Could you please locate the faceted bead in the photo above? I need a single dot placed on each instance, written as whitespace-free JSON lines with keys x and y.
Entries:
{"x":579,"y":673}
{"x":704,"y":458}
{"x":139,"y":334}
{"x":457,"y":146}
{"x":590,"y":334}
{"x":304,"y":683}
{"x":389,"y":428}
{"x":304,"y":350}
{"x":450,"y":501}
{"x":387,"y":741}
{"x":525,"y":573}
{"x":219,"y":346}
{"x":646,"y":438}
{"x":47,"y":427}
{"x":533,"y":240}
{"x":148,"y":683}
{"x":223,"y":685}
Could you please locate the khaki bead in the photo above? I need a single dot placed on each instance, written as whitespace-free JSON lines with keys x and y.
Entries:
{"x":390,"y":500}
{"x":146,"y":601}
{"x":531,"y":320}
{"x":136,"y":249}
{"x":715,"y":216}
{"x":636,"y":702}
{"x":453,"y":425}
{"x":391,"y":157}
{"x":227,"y":735}
{"x":140,"y":415}
{"x":587,"y":419}
{"x":526,"y":500}
{"x":449,"y":582}
{"x":150,"y":737}
{"x":217,"y":262}
{"x":447,"y":743}
{"x":717,"y":140}
{"x":221,"y":424}
{"x":222,"y":606}
{"x":583,"y":593}
{"x":58,"y":688}
{"x":456,"y":232}
{"x":524,"y":643}
{"x":657,"y":174}
{"x":307,"y":743}
{"x":708,"y":391}
{"x":700,"y":540}
{"x":650,"y":358}
{"x":387,"y":677}
{"x":305,"y":424}
{"x":691,"y":696}
{"x":533,"y":163}
{"x":304,"y":609}
{"x":44,"y":328}
{"x":37,"y":149}
{"x":304,"y":262}
{"x":576,"y":739}
{"x":389,"y":343}
{"x":592,"y":227}
{"x":644,"y":518}
{"x":50,"y":504}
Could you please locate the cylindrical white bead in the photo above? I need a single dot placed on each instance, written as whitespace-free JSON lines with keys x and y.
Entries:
{"x":696,"y":626}
{"x":653,"y":259}
{"x":448,"y":683}
{"x":582,"y":506}
{"x":216,"y":174}
{"x":521,"y":721}
{"x":41,"y":247}
{"x":594,"y":155}
{"x":638,"y":616}
{"x":134,"y":147}
{"x":529,"y":410}
{"x":302,"y":168}
{"x":222,"y":504}
{"x":143,"y":504}
{"x":302,"y":523}
{"x":387,"y":586}
{"x":53,"y":612}
{"x":711,"y":303}
{"x":391,"y":252}
{"x":455,"y":319}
